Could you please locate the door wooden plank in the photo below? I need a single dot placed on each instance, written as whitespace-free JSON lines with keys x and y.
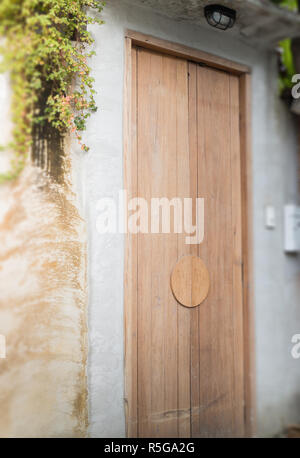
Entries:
{"x":215,"y":314}
{"x":157,"y":274}
{"x":194,"y":313}
{"x":167,"y":247}
{"x":130,"y":278}
{"x":164,"y":247}
{"x":146,"y":118}
{"x":183,"y":191}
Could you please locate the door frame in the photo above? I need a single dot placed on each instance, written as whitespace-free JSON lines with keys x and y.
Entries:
{"x":133,"y":38}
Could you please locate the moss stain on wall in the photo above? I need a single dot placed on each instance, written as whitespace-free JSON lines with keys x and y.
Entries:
{"x":43,"y":389}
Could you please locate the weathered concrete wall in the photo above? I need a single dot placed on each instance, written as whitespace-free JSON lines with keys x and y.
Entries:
{"x":42,"y":302}
{"x":277,"y":276}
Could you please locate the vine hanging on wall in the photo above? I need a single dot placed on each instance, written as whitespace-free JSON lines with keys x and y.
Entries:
{"x":288,"y":53}
{"x":45,"y":46}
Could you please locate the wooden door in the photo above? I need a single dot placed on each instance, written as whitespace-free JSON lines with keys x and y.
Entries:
{"x":184,"y":366}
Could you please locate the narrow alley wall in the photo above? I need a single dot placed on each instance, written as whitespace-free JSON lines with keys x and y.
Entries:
{"x":42,"y":301}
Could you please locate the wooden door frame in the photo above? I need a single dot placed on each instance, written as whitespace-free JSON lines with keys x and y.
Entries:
{"x":133,"y":38}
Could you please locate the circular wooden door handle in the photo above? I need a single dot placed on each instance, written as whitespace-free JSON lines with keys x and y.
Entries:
{"x":190,"y":281}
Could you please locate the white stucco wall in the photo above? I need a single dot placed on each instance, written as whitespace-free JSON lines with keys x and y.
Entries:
{"x":277,"y":276}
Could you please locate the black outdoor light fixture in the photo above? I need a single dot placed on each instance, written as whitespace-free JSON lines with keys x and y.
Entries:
{"x":220,"y":17}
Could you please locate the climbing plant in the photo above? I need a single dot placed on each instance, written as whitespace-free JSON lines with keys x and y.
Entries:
{"x":289,"y":4}
{"x":45,"y":46}
{"x":287,"y":66}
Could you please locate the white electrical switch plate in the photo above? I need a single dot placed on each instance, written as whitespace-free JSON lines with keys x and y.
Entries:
{"x":291,"y":228}
{"x":270,"y":217}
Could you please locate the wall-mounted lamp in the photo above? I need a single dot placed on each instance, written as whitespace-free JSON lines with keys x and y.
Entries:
{"x":220,"y":17}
